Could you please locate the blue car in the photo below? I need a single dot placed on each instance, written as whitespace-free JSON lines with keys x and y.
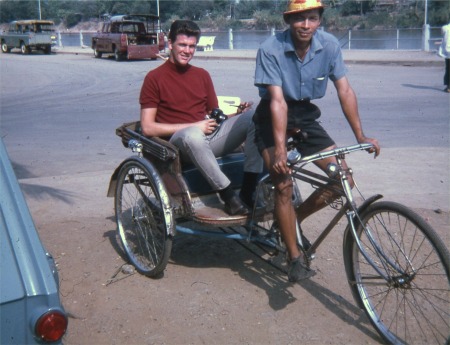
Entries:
{"x":30,"y":308}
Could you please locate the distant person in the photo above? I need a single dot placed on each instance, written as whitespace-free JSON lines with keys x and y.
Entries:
{"x":444,"y":51}
{"x":292,"y":69}
{"x":175,"y":100}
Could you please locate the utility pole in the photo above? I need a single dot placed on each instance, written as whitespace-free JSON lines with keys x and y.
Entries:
{"x":426,"y":12}
{"x":39,"y":7}
{"x":426,"y":30}
{"x":157,"y":13}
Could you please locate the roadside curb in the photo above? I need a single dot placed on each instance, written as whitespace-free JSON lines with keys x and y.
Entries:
{"x":396,"y":63}
{"x":376,"y":57}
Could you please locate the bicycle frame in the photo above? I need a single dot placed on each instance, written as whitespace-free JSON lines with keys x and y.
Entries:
{"x":348,"y":208}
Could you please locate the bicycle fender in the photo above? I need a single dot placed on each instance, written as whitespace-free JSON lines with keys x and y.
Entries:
{"x":113,"y":180}
{"x":347,"y":245}
{"x":165,"y":199}
{"x":159,"y":184}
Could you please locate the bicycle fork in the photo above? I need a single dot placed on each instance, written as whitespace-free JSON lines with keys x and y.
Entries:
{"x":350,"y":213}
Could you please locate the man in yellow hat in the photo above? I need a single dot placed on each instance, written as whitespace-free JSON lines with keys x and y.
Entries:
{"x":292,"y":69}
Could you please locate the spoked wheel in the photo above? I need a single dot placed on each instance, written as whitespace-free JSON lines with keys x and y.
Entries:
{"x":411,"y":304}
{"x":268,"y":228}
{"x":144,"y":217}
{"x":265,"y":229}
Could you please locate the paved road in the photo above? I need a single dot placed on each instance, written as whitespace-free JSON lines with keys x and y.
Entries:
{"x":59,"y":113}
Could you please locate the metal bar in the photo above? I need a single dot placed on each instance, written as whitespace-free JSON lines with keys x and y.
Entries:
{"x":213,"y":234}
{"x":327,"y":230}
{"x":335,"y":152}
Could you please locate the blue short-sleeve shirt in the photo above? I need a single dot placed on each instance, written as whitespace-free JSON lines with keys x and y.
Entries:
{"x":277,"y":64}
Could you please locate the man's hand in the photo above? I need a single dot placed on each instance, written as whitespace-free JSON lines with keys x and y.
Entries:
{"x":208,"y":126}
{"x":376,"y":147}
{"x":243,"y":107}
{"x":280,"y":162}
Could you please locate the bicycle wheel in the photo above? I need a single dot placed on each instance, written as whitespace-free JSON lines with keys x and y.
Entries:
{"x":143,"y":216}
{"x":266,"y":226}
{"x":412,"y":305}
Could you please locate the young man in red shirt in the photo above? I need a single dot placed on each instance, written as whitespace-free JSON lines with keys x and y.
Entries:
{"x":175,"y":100}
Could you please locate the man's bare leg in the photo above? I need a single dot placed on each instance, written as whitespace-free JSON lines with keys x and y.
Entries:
{"x":322,"y":196}
{"x":284,"y":211}
{"x":285,"y":216}
{"x":287,"y":220}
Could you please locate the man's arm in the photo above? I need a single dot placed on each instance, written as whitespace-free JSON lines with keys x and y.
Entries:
{"x":278,"y":109}
{"x":151,"y":128}
{"x":349,"y":105}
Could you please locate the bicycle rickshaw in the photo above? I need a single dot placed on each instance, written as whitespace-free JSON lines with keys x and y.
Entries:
{"x":397,"y":266}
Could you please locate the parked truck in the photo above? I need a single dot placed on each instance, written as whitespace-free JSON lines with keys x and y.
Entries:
{"x":129,"y":37}
{"x":28,"y":35}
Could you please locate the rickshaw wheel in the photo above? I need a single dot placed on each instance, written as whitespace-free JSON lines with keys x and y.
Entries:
{"x":144,"y":217}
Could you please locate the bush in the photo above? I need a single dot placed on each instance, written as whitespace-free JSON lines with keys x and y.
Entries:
{"x":349,"y":8}
{"x":381,"y":19}
{"x":265,"y":20}
{"x":72,"y":19}
{"x":330,"y":17}
{"x":165,"y":26}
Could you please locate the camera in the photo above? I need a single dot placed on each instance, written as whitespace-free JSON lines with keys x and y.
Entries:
{"x":218,"y":116}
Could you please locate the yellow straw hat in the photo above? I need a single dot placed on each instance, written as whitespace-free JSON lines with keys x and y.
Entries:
{"x":302,"y":5}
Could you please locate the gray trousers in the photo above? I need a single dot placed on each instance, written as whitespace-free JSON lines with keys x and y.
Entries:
{"x":201,"y":150}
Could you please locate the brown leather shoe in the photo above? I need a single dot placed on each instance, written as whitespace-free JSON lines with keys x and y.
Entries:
{"x":235,"y":207}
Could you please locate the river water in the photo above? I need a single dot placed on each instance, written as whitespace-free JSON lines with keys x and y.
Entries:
{"x":403,"y":39}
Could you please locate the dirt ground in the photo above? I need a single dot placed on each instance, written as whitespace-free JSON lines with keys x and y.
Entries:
{"x":212,"y":292}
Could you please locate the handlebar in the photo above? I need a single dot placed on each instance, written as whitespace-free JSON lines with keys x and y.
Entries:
{"x":296,"y":136}
{"x":295,"y":158}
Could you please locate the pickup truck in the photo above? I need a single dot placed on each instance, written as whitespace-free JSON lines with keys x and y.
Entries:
{"x":28,"y":35}
{"x":129,"y":37}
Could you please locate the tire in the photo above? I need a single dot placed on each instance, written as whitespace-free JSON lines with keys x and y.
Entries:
{"x":97,"y":54}
{"x":5,"y":48}
{"x":118,"y":56}
{"x":144,"y":217}
{"x":412,"y":307}
{"x":47,"y":50}
{"x":24,"y":49}
{"x":265,"y":224}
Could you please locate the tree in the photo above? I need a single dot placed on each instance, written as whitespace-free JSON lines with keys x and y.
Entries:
{"x":265,"y":20}
{"x":438,"y":13}
{"x":245,"y":9}
{"x":15,"y":9}
{"x":226,"y":13}
{"x":352,"y":7}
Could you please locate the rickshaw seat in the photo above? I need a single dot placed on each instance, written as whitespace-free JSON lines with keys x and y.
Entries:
{"x":165,"y":156}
